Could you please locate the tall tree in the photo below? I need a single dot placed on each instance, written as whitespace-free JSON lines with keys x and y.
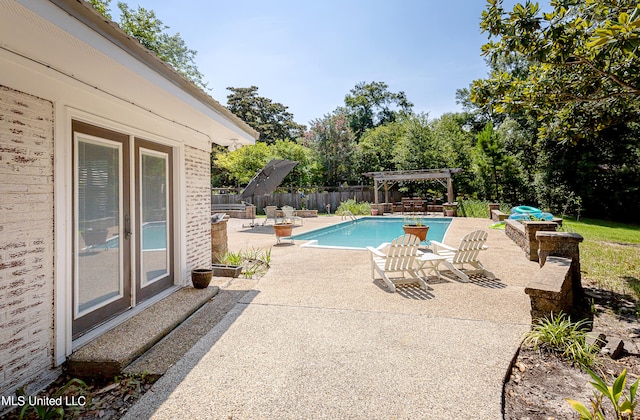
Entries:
{"x":144,"y":25}
{"x":453,"y":130}
{"x":582,"y":85}
{"x":335,"y":145}
{"x":376,"y":150}
{"x":369,"y":105}
{"x":584,"y":68}
{"x":270,"y":119}
{"x":419,"y":148}
{"x":102,"y":6}
{"x":240,"y":165}
{"x":498,"y":170}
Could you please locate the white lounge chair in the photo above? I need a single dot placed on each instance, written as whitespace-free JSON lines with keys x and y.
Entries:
{"x":271,"y":212}
{"x":397,"y":257}
{"x":466,"y":253}
{"x":289,"y":217}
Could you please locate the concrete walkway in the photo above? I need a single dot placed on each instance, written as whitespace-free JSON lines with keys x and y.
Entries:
{"x":317,"y":338}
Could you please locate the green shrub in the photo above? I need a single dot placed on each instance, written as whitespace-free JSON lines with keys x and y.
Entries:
{"x":557,"y":334}
{"x":75,"y":388}
{"x":623,"y":408}
{"x":253,"y":261}
{"x":478,"y":208}
{"x":354,"y":207}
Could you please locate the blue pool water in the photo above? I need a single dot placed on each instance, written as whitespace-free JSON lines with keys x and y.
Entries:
{"x":369,"y":231}
{"x":154,"y":237}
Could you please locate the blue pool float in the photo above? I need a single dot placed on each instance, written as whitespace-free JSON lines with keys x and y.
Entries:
{"x":525,"y":210}
{"x":531,"y":216}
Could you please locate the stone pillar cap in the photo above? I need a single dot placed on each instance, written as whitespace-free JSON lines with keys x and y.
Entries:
{"x":564,"y":235}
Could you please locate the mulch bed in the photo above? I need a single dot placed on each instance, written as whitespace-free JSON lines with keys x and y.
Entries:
{"x":540,"y":382}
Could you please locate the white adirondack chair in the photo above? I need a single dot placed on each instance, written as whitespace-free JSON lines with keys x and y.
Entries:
{"x":288,"y":215}
{"x":397,"y":257}
{"x":271,"y":212}
{"x":466,"y":253}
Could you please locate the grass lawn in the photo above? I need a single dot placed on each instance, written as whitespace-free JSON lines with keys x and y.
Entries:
{"x":609,"y":255}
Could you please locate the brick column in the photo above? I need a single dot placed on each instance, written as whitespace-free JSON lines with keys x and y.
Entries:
{"x":493,"y":206}
{"x":531,"y":228}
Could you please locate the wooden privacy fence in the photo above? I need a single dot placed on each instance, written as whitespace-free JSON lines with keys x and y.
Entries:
{"x":313,"y":201}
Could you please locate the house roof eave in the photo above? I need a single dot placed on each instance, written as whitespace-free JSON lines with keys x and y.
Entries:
{"x":85,"y":13}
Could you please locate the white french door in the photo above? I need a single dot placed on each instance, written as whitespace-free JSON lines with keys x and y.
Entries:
{"x":118,"y":260}
{"x":154,"y":253}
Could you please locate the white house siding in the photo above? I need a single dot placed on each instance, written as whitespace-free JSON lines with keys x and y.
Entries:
{"x":26,"y":238}
{"x":198,"y":207}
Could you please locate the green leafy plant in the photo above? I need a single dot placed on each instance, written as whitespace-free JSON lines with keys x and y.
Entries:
{"x":254,"y":261}
{"x":477,"y":208}
{"x":623,"y":409}
{"x":413,"y":221}
{"x":232,"y":258}
{"x":354,"y":207}
{"x":74,"y":387}
{"x":557,"y":334}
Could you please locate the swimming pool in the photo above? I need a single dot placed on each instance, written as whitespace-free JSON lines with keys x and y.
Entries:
{"x":154,"y":237}
{"x":368,"y":231}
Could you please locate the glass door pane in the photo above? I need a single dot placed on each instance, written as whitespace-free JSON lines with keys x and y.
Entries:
{"x":154,"y":215}
{"x":99,"y":233}
{"x":154,"y":229}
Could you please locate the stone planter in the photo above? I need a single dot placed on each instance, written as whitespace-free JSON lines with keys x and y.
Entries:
{"x":218,"y":241}
{"x":374,"y":212}
{"x":306,"y":213}
{"x":201,"y":277}
{"x":222,"y":270}
{"x":419,"y":231}
{"x":450,"y":209}
{"x":282,"y":230}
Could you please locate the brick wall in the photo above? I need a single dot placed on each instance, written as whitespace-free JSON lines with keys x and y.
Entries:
{"x":26,"y":238}
{"x":198,"y":196}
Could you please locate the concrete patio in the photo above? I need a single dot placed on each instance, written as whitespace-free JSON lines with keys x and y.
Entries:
{"x":317,"y":338}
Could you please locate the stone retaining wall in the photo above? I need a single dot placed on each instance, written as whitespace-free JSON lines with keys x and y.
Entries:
{"x":558,"y":283}
{"x":498,"y":216}
{"x":551,"y":289}
{"x":524,"y":234}
{"x":248,"y":213}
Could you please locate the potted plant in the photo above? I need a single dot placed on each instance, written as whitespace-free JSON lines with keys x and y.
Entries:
{"x":450,"y":209}
{"x":230,"y":265}
{"x":201,"y":277}
{"x":282,"y":230}
{"x":226,"y":270}
{"x":415,"y":226}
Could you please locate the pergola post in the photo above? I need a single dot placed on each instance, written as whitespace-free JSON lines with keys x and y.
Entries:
{"x":375,"y":191}
{"x":386,"y":192}
{"x":450,"y":195}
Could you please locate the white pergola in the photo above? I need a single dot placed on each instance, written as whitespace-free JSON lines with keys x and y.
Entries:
{"x":387,"y":179}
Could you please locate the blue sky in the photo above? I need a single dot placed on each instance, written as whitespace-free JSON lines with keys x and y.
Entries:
{"x":308,"y":55}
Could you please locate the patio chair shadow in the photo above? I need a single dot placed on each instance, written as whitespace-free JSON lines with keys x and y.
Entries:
{"x":407,"y":291}
{"x":476,"y":279}
{"x":482,"y":281}
{"x":284,"y":244}
{"x":264,"y":230}
{"x":436,"y":280}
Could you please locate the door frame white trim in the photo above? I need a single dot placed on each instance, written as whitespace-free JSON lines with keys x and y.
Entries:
{"x":64,"y":345}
